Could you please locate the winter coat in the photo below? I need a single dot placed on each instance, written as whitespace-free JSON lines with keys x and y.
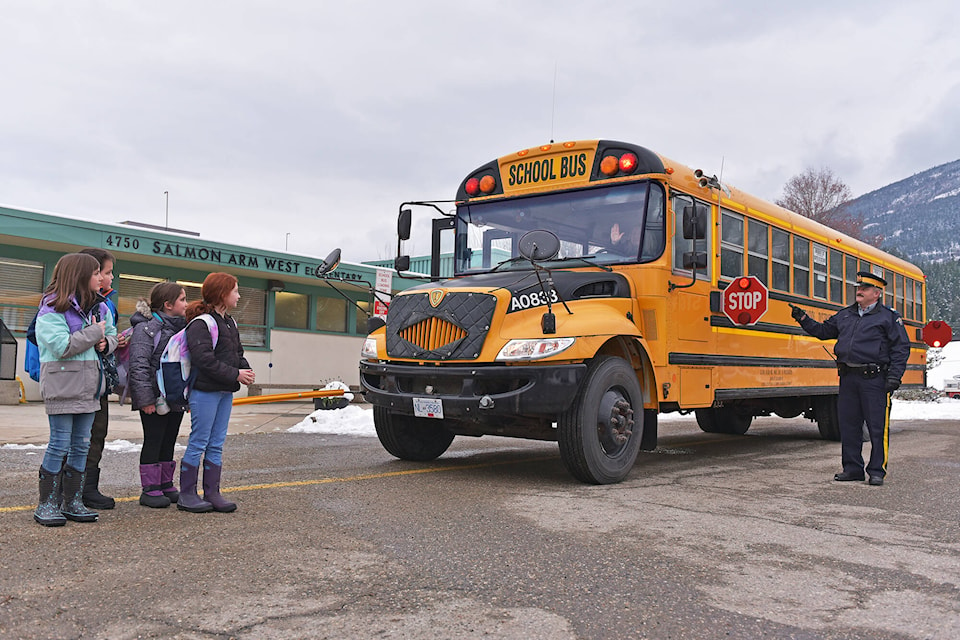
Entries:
{"x":71,"y":380}
{"x":145,"y":351}
{"x":217,"y":369}
{"x":876,"y":338}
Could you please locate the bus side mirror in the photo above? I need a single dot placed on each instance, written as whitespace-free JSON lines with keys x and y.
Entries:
{"x":401,"y":263}
{"x":403,"y":225}
{"x":694,"y":222}
{"x":695,"y":260}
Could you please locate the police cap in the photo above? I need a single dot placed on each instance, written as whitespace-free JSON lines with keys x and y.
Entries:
{"x":865,"y":278}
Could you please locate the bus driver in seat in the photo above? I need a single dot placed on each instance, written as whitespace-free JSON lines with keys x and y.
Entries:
{"x":627,"y":241}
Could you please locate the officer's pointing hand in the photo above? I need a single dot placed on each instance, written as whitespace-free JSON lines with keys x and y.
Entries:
{"x":892,"y":384}
{"x":797,"y":313}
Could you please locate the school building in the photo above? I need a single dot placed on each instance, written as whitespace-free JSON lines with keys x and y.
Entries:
{"x":297,"y":330}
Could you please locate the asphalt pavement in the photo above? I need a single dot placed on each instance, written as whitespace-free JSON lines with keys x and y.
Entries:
{"x":710,"y":536}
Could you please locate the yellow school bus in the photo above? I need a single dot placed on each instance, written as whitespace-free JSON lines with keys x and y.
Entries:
{"x":587,"y":298}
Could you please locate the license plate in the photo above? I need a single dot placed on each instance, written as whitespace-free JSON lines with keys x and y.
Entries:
{"x":428,"y":408}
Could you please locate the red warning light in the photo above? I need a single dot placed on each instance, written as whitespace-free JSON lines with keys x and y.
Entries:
{"x":628,"y":163}
{"x":472,"y":187}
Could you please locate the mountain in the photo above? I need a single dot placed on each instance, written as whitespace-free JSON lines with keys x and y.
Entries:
{"x":918,"y":217}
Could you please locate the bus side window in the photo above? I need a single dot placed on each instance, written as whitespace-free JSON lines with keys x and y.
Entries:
{"x":683,"y":245}
{"x":731,"y":244}
{"x":758,"y":249}
{"x":801,"y":266}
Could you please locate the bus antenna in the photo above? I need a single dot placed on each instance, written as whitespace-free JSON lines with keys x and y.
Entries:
{"x":553,"y":106}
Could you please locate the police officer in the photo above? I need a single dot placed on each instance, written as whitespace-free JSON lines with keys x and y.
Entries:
{"x":872,"y":350}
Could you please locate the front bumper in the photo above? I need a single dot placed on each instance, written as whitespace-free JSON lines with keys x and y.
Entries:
{"x":529,"y":390}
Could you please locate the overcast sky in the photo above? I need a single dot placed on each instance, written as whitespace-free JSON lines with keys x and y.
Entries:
{"x":317,"y":118}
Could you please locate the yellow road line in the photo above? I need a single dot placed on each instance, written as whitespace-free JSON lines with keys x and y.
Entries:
{"x":318,"y":481}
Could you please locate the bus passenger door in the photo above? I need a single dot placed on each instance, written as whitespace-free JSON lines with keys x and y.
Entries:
{"x":689,"y":300}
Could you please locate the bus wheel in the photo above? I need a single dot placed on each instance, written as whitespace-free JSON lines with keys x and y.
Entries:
{"x":599,"y":435}
{"x":410,"y":438}
{"x":825,"y":413}
{"x":728,"y":420}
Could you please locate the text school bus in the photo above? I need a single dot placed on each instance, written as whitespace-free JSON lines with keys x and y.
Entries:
{"x":634,"y":286}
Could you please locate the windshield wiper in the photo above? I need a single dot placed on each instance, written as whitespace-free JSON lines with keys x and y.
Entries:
{"x":508,"y":261}
{"x":586,"y":260}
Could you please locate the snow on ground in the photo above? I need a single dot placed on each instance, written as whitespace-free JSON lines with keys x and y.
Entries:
{"x":947,"y":369}
{"x":358,"y":421}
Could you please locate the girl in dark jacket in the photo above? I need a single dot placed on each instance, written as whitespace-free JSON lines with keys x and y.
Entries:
{"x":152,"y":328}
{"x":220,"y":370}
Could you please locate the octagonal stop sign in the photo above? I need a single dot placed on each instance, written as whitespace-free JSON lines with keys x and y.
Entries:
{"x":937,"y":333}
{"x":744,"y":300}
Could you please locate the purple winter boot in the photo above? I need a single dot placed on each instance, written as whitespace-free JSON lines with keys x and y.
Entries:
{"x":152,"y":496}
{"x":189,"y":500}
{"x":211,"y":488}
{"x":167,"y":468}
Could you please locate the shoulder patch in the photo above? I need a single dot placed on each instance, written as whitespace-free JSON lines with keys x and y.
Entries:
{"x":899,"y":321}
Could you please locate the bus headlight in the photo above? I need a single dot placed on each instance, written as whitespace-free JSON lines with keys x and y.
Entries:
{"x":534,"y":349}
{"x":369,"y":350}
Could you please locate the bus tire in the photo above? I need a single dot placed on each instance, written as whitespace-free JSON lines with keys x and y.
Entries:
{"x":825,"y":413}
{"x":411,"y":438}
{"x":729,"y":420}
{"x":597,"y":445}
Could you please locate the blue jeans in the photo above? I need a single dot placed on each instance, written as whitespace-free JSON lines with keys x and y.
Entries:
{"x":209,"y":417}
{"x":70,"y":439}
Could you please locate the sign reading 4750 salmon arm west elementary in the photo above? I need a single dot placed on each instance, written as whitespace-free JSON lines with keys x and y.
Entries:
{"x":744,"y":300}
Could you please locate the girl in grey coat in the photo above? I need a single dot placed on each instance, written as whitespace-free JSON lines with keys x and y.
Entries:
{"x":152,"y":329}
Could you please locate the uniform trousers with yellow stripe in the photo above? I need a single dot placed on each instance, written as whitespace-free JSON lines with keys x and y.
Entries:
{"x":864,"y":400}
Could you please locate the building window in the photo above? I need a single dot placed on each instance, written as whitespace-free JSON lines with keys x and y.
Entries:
{"x":21,"y":284}
{"x":780,"y":259}
{"x":731,"y":245}
{"x":758,"y":250}
{"x":801,"y":266}
{"x":361,"y":318}
{"x":332,"y":314}
{"x":291,"y":310}
{"x":130,"y":289}
{"x":251,"y":316}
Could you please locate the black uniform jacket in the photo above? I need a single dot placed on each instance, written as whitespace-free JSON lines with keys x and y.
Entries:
{"x":217,"y":368}
{"x":877,"y":338}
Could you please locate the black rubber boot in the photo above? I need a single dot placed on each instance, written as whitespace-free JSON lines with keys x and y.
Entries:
{"x":48,"y":510}
{"x":73,"y":507}
{"x":91,"y":491}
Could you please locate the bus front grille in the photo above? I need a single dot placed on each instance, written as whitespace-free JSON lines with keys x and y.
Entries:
{"x":432,"y":334}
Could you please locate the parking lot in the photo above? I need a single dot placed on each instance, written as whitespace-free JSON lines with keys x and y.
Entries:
{"x":710,"y":536}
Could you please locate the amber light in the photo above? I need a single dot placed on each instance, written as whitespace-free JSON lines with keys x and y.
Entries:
{"x":628,"y":163}
{"x":569,"y":145}
{"x":487,"y":184}
{"x":472,"y":187}
{"x":609,"y":165}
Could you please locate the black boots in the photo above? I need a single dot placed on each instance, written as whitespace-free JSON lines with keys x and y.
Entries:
{"x":48,"y":510}
{"x":189,"y":500}
{"x":91,"y":491}
{"x":211,"y":488}
{"x":73,"y":507}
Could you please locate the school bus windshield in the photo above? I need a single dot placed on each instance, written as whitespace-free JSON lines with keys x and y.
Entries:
{"x":608,"y":225}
